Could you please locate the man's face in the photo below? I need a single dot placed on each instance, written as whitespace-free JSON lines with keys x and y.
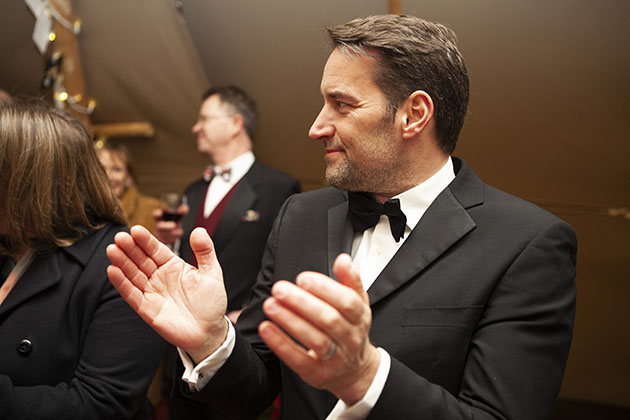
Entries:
{"x":213,"y":125}
{"x":362,"y":151}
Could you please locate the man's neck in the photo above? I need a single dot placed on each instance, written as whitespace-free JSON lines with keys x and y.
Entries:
{"x":424,"y":172}
{"x":233,"y":150}
{"x":223,"y":159}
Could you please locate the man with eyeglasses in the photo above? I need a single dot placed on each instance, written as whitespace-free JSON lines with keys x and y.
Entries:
{"x":236,"y":201}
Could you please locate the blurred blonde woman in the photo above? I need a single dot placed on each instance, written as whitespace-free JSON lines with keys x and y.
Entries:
{"x":70,"y":346}
{"x":138,"y":208}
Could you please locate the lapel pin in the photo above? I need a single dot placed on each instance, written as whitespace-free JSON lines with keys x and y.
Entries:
{"x":251,"y":216}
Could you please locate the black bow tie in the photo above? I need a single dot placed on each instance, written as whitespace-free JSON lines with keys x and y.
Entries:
{"x":210,"y":172}
{"x":364,"y":213}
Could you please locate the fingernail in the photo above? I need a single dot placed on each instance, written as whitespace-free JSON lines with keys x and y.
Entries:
{"x":304,"y":281}
{"x":280,"y":290}
{"x":269,"y":307}
{"x":263,"y":331}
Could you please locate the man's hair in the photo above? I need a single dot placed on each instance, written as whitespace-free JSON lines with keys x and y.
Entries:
{"x":413,"y":54}
{"x":53,"y":188}
{"x":241,"y":102}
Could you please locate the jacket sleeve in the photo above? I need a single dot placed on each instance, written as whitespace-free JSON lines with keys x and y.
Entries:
{"x":252,"y":369}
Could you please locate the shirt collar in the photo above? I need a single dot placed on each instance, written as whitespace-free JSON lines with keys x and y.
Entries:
{"x":239,"y":166}
{"x":415,"y":201}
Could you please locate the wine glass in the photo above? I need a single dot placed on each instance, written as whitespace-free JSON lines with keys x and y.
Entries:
{"x":169,"y":203}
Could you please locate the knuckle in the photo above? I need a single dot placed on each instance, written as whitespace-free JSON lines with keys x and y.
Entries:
{"x":329,"y":320}
{"x":321,"y":346}
{"x":353,"y":342}
{"x":346,"y":305}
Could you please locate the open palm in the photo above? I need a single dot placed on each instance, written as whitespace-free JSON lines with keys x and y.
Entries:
{"x":185,"y":305}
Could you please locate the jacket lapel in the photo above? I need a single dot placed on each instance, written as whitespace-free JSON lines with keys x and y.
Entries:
{"x":340,"y":233}
{"x":445,"y":222}
{"x":193,"y":198}
{"x":242,"y":199}
{"x":46,"y":269}
{"x":442,"y":225}
{"x":42,"y":273}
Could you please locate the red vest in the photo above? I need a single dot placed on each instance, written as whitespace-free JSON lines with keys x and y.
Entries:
{"x":210,"y":222}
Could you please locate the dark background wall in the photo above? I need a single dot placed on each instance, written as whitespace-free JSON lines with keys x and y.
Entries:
{"x":548,"y":118}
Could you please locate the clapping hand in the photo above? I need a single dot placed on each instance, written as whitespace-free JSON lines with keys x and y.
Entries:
{"x":331,"y":321}
{"x":185,"y":305}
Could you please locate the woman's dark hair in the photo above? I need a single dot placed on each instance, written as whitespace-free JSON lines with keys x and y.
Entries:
{"x":53,"y":188}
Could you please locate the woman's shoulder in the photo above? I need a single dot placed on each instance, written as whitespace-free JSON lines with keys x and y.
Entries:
{"x":94,"y":242}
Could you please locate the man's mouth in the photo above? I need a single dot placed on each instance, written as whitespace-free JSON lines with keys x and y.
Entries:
{"x":333,"y":151}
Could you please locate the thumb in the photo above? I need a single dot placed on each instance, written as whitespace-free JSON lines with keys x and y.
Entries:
{"x":348,"y":275}
{"x":202,"y":246}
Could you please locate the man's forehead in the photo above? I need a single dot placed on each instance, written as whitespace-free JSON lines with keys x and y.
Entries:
{"x":211,"y":103}
{"x":346,"y":72}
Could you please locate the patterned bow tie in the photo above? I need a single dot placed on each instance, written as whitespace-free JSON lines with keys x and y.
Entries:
{"x":212,"y":171}
{"x":364,"y":213}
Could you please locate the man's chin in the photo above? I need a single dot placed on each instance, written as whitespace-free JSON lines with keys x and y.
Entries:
{"x":337,"y":181}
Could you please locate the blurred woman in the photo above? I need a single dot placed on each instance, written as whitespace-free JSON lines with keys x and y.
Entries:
{"x":70,"y":347}
{"x":138,"y":208}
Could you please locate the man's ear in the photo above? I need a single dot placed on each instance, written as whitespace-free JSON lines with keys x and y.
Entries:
{"x":416,"y":113}
{"x":238,"y":123}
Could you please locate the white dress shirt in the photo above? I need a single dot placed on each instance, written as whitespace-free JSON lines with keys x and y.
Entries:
{"x":219,"y":187}
{"x":371,"y":251}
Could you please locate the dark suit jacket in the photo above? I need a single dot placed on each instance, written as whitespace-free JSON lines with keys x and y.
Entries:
{"x":240,"y":241}
{"x":70,"y":347}
{"x":476,"y":309}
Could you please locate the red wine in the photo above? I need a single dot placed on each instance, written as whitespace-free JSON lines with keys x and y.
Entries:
{"x":169,"y":216}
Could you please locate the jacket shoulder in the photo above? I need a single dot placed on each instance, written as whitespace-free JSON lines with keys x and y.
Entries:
{"x":311,"y":202}
{"x":84,"y":249}
{"x":499,"y":207}
{"x":270,"y":174}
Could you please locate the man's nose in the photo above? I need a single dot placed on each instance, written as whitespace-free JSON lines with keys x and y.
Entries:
{"x":322,"y":128}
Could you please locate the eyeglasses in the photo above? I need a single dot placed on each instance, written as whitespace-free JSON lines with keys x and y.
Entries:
{"x":204,"y":118}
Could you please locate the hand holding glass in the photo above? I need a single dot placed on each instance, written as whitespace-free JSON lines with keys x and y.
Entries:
{"x":170,"y":203}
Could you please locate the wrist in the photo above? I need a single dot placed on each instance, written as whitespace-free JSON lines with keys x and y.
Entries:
{"x":215,"y":338}
{"x":353,"y":392}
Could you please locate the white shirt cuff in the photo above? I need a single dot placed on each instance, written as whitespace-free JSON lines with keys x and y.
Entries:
{"x":362,"y":408}
{"x":198,"y":376}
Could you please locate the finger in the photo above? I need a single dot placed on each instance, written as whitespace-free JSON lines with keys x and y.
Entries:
{"x":129,"y":292}
{"x":202,"y":246}
{"x":344,"y":299}
{"x":322,"y":314}
{"x":296,"y":327}
{"x":157,"y":214}
{"x":129,"y":269}
{"x":291,"y":353}
{"x":348,"y":275}
{"x":168,"y":232}
{"x":136,"y":255}
{"x":134,"y":297}
{"x":153,"y":248}
{"x":166,"y":225}
{"x":183,"y":209}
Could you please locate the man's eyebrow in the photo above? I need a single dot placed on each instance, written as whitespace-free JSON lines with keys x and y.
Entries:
{"x":340,"y":95}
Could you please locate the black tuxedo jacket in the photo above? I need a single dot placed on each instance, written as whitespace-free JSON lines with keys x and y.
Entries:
{"x":242,"y":232}
{"x":70,"y":347}
{"x":476,"y":309}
